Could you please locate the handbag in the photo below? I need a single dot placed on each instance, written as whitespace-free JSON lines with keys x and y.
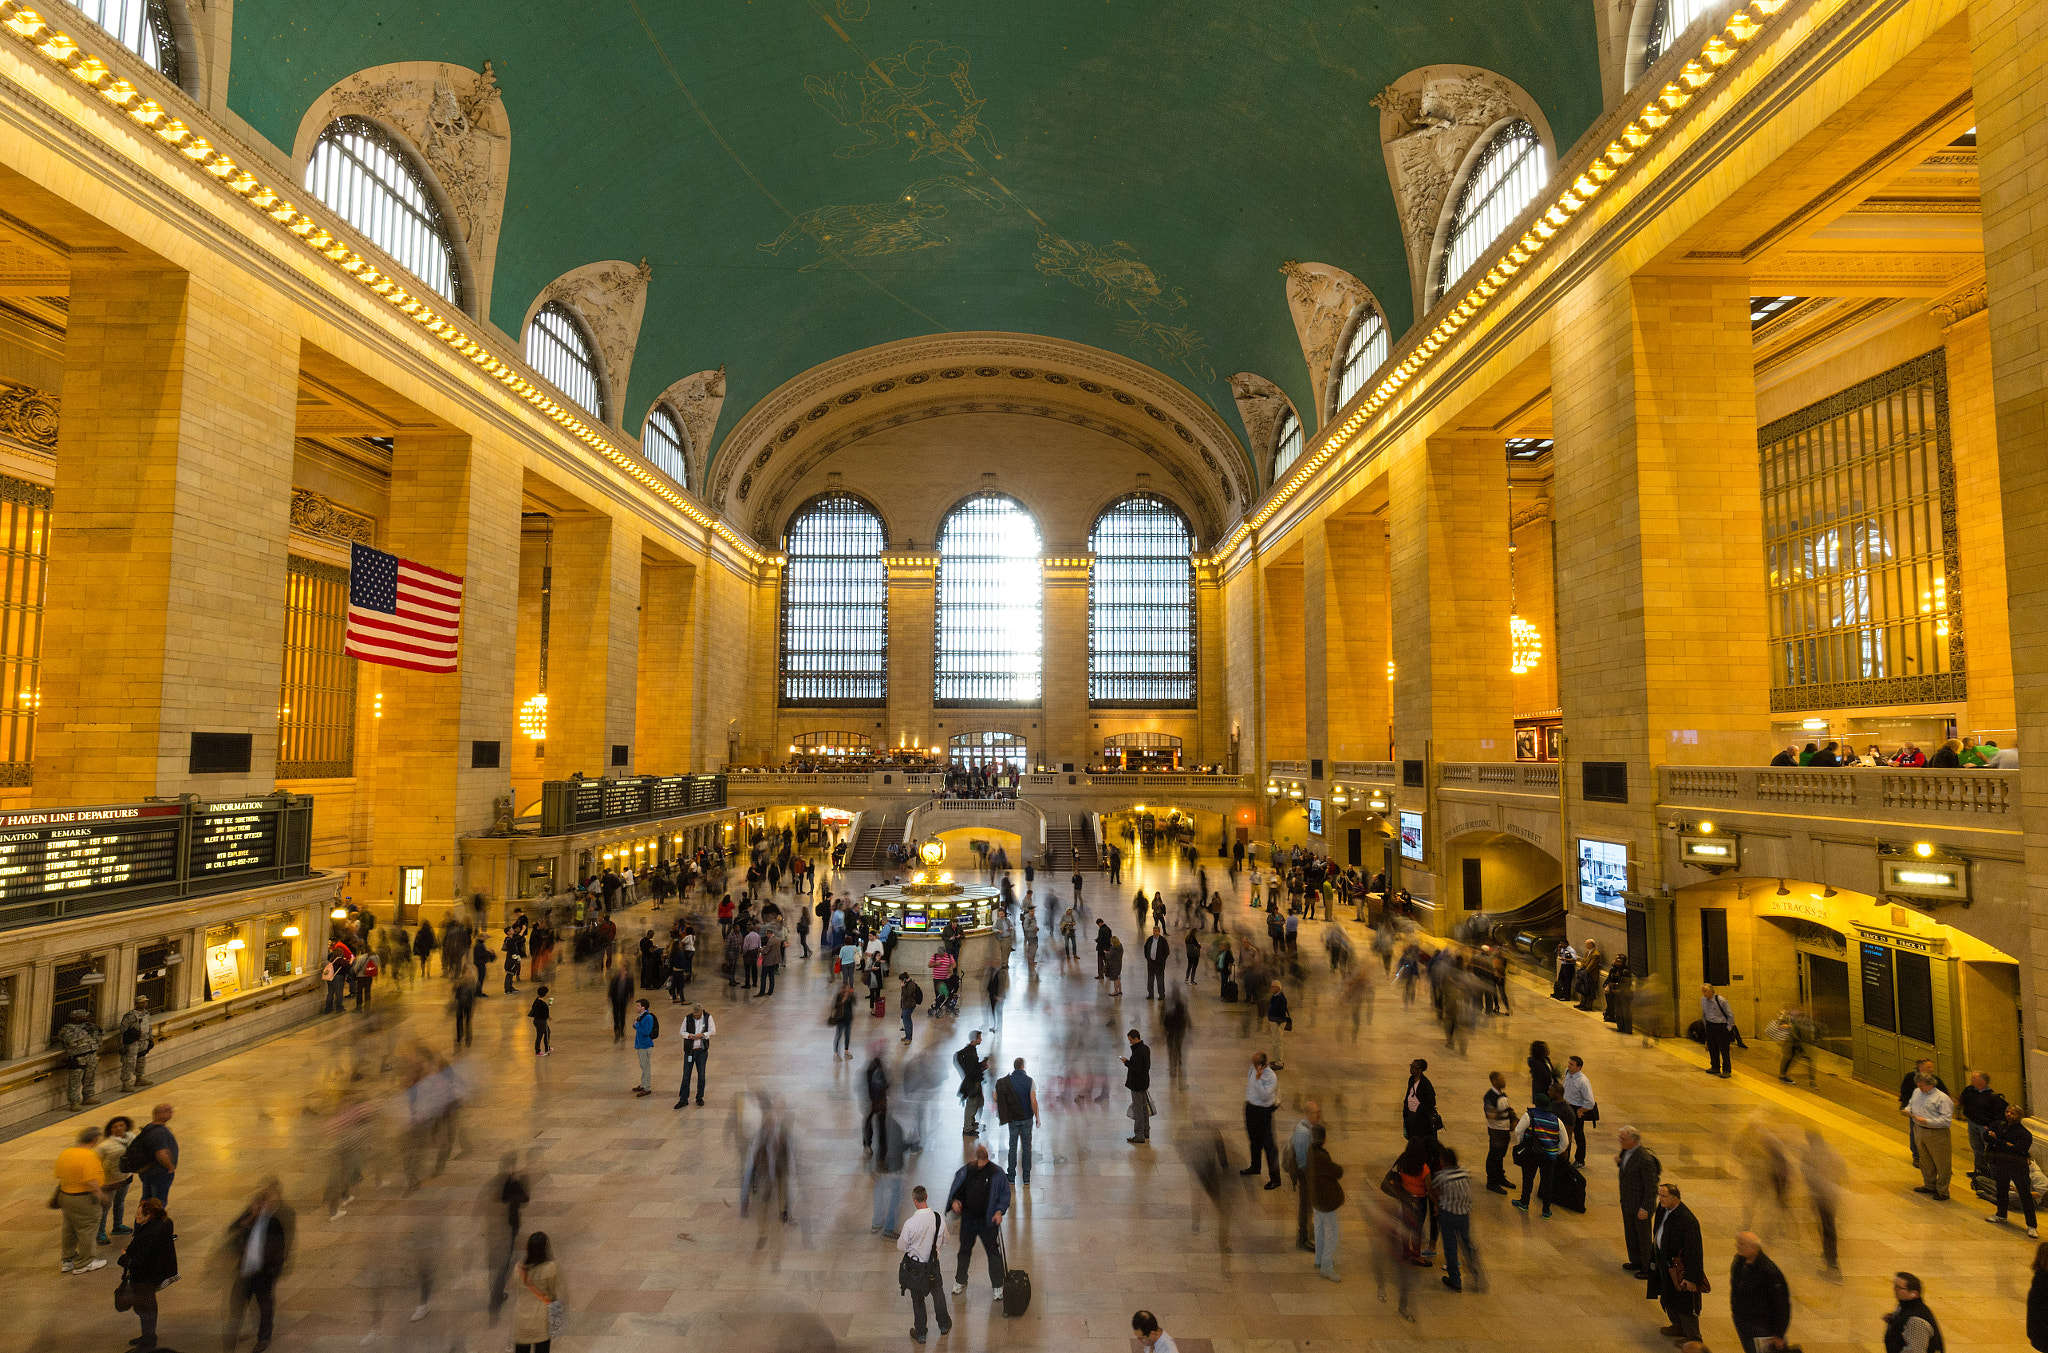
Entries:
{"x":124,"y":1296}
{"x":558,"y":1310}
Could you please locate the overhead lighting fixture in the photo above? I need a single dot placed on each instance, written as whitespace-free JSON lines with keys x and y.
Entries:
{"x":290,"y":932}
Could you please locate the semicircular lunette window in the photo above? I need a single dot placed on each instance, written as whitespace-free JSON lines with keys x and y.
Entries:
{"x":1505,"y":179}
{"x":558,"y":349}
{"x":1286,"y":443}
{"x":990,"y":612}
{"x":1363,"y":353}
{"x":1669,"y":19}
{"x":1141,"y":607}
{"x":662,"y":440}
{"x":365,"y":174}
{"x":835,"y":605}
{"x":142,"y":26}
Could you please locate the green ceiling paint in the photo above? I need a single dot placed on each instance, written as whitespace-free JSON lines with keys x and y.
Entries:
{"x":1124,"y":173}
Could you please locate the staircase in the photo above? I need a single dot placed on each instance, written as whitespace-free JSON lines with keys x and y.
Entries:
{"x":1082,"y":837}
{"x":870,"y":848}
{"x":1059,"y":847}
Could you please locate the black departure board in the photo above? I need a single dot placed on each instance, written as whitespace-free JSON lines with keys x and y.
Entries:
{"x":1880,"y":1008}
{"x":569,"y":804}
{"x":230,"y":837}
{"x":84,"y":850}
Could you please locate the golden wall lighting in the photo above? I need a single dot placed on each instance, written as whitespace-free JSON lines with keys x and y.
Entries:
{"x":1294,"y":790}
{"x":533,"y":718}
{"x":237,"y":943}
{"x":1525,"y":645}
{"x":290,"y":932}
{"x":1272,"y":789}
{"x":338,"y":914}
{"x":377,"y":705}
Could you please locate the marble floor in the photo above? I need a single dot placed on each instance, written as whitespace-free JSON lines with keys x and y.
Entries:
{"x":642,"y":1203}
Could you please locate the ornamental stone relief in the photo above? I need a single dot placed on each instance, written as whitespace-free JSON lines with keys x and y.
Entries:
{"x":697,"y":400}
{"x":317,"y":515}
{"x":28,"y":415}
{"x":1260,"y":403}
{"x":610,"y":297}
{"x":454,"y":118}
{"x":1322,"y":300}
{"x":1429,"y":121}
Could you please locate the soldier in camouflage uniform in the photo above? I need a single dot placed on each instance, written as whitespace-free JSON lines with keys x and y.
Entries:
{"x":135,"y":1045}
{"x":81,"y":1039}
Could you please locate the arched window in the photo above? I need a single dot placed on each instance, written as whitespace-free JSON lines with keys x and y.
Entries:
{"x":1668,"y":19}
{"x":1286,"y":443}
{"x":989,"y":751}
{"x":142,"y":26}
{"x":990,"y":625}
{"x":362,"y":171}
{"x":1363,"y":352}
{"x":1141,"y":606}
{"x":835,"y":605}
{"x":1504,"y":181}
{"x":560,"y":351}
{"x":662,"y":439}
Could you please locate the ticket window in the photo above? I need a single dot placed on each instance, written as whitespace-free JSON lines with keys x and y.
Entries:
{"x":156,"y":963}
{"x":224,"y":972}
{"x":537,"y":877}
{"x":78,"y":983}
{"x":283,"y":947}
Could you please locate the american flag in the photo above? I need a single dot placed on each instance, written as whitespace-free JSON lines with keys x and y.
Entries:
{"x":401,"y":613}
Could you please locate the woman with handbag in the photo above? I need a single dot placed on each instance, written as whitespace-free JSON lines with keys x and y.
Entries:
{"x":538,"y":1320}
{"x":150,"y":1263}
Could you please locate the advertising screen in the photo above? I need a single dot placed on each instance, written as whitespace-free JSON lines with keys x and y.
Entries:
{"x":1603,"y":874}
{"x":1315,"y":817}
{"x":1411,"y":835}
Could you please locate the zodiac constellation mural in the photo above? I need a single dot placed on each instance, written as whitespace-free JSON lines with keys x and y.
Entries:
{"x":922,"y":99}
{"x":877,"y":229}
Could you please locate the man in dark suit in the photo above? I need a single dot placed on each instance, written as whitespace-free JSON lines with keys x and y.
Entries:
{"x":1418,"y":1104}
{"x":1138,"y":1080}
{"x":1157,"y":950}
{"x":1677,"y":1265}
{"x":1758,"y":1299}
{"x":1639,"y":1169}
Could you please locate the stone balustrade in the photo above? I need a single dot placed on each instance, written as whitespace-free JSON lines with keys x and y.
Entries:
{"x":1984,"y":799}
{"x":1509,"y":777}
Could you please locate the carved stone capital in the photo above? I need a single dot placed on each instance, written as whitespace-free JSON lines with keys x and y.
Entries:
{"x":28,"y":416}
{"x":1961,"y":303}
{"x":317,"y":515}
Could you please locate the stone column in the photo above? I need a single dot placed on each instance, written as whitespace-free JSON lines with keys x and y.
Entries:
{"x":594,"y":638}
{"x":666,"y":648}
{"x":1355,"y":640}
{"x":1282,"y":662}
{"x":165,"y":609}
{"x":2009,"y":60}
{"x":455,"y":507}
{"x":913,"y":602}
{"x":1663,"y":637}
{"x":1065,"y":725}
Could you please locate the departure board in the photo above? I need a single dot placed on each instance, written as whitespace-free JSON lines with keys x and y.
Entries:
{"x":87,"y":850}
{"x":227,"y":837}
{"x":569,"y":804}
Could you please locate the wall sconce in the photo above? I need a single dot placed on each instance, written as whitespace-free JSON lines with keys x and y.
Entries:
{"x":338,"y":914}
{"x":1272,"y":789}
{"x":237,"y":943}
{"x":1294,"y":790}
{"x":290,"y":932}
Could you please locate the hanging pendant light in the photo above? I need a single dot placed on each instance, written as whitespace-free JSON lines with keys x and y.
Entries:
{"x":1525,"y":641}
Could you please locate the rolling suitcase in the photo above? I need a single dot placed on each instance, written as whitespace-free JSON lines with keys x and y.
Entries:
{"x":880,"y":1006}
{"x":1567,"y":1187}
{"x":1230,"y":989}
{"x":1016,"y":1288}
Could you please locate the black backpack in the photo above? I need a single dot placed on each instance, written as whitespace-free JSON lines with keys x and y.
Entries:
{"x":655,"y":1032}
{"x":137,"y":1157}
{"x":913,"y":997}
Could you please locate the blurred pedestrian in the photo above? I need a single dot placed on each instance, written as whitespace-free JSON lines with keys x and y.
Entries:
{"x":1450,"y":1191}
{"x":1823,"y":1170}
{"x":889,"y":1153}
{"x":259,"y":1246}
{"x":81,"y":1193}
{"x":1326,"y":1198}
{"x":1758,"y":1299}
{"x":113,"y":1144}
{"x":149,"y":1262}
{"x":1278,"y":1024}
{"x":2037,"y":1301}
{"x":1639,"y":1171}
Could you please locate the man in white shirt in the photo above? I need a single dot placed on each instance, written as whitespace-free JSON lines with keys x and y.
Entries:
{"x":1261,"y":1102}
{"x":919,"y":1273}
{"x":1931,"y":1113}
{"x":1145,"y":1325}
{"x":698,"y":1028}
{"x":1578,"y":1092}
{"x":1718,"y":1022}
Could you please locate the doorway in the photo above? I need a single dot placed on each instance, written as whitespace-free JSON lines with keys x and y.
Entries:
{"x":1824,"y":983}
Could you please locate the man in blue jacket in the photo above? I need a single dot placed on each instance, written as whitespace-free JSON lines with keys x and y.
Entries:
{"x":643,"y":1046}
{"x":979,"y":1197}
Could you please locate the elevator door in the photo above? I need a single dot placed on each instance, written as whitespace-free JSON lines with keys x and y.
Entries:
{"x":1826,"y":983}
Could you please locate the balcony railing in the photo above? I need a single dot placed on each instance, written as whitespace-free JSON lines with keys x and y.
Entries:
{"x":1985,"y":799}
{"x":1509,"y":777}
{"x":901,"y":782}
{"x":1363,"y":770}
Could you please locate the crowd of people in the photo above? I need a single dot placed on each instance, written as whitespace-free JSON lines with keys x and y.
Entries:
{"x":393,"y":1113}
{"x":1953,"y":754}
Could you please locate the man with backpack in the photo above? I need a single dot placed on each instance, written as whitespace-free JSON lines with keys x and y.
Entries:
{"x":1017,"y":1110}
{"x":1538,"y":1140}
{"x":909,"y":996}
{"x":646,"y":1028}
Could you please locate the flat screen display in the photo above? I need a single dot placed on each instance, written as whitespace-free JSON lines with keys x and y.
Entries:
{"x":1411,"y":835}
{"x":1603,"y":874}
{"x":1315,"y":817}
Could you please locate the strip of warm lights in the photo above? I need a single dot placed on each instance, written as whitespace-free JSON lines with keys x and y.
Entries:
{"x":1696,"y":75}
{"x":65,"y":53}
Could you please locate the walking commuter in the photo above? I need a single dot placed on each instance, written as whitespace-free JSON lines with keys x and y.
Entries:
{"x":463,"y":1003}
{"x":113,"y":1144}
{"x":841,"y":1020}
{"x":1017,"y":1109}
{"x":1194,"y":952}
{"x":259,"y":1246}
{"x":149,"y":1262}
{"x":645,"y":1030}
{"x":1677,"y":1265}
{"x":541,"y":1012}
{"x":1296,"y":1163}
{"x":918,"y":1271}
{"x":1758,"y":1299}
{"x":2008,"y":1152}
{"x":1157,"y":950}
{"x":1278,"y":1022}
{"x":979,"y":1197}
{"x":1155,"y":1340}
{"x":1261,"y":1102}
{"x":81,"y":1193}
{"x":698,"y":1030}
{"x":1138,"y":1080}
{"x":973,"y":1066}
{"x":890,"y":1149}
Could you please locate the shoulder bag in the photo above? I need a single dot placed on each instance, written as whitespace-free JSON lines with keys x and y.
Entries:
{"x":558,"y":1310}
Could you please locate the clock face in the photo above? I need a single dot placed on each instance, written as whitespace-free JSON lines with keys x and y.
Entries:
{"x":932,"y":851}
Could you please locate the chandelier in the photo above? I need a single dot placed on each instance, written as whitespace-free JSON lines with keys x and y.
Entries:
{"x":1525,"y":645}
{"x":533,"y":718}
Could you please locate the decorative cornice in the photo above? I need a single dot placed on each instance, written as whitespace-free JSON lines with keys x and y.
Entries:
{"x":318,"y":515}
{"x":65,"y":54}
{"x":1961,"y":303}
{"x":28,"y":416}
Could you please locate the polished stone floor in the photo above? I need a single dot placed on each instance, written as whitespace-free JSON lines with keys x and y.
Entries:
{"x":642,"y":1199}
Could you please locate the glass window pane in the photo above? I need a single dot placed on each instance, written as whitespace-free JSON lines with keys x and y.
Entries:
{"x":990,"y":631}
{"x":1508,"y":175}
{"x":835,"y":605}
{"x":362,"y":173}
{"x":1141,"y":606}
{"x":557,"y":348}
{"x":662,"y":440}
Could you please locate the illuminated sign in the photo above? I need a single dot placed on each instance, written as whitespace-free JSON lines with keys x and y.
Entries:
{"x":1411,"y":835}
{"x":1603,"y":874}
{"x":1936,"y":880}
{"x":1315,"y":817}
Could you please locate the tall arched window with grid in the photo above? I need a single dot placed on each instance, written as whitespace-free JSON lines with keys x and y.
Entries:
{"x":1668,"y":19}
{"x":369,"y":177}
{"x":1287,"y":441}
{"x":1141,"y":606}
{"x":142,"y":26}
{"x":835,"y":605}
{"x":664,"y":442}
{"x":1504,"y":180}
{"x":561,"y":351}
{"x":1365,"y":348}
{"x":990,"y":612}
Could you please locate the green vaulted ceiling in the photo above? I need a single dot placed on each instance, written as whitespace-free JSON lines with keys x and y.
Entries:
{"x":810,"y":177}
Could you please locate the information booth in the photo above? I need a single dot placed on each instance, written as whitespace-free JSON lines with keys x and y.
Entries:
{"x":921,"y":908}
